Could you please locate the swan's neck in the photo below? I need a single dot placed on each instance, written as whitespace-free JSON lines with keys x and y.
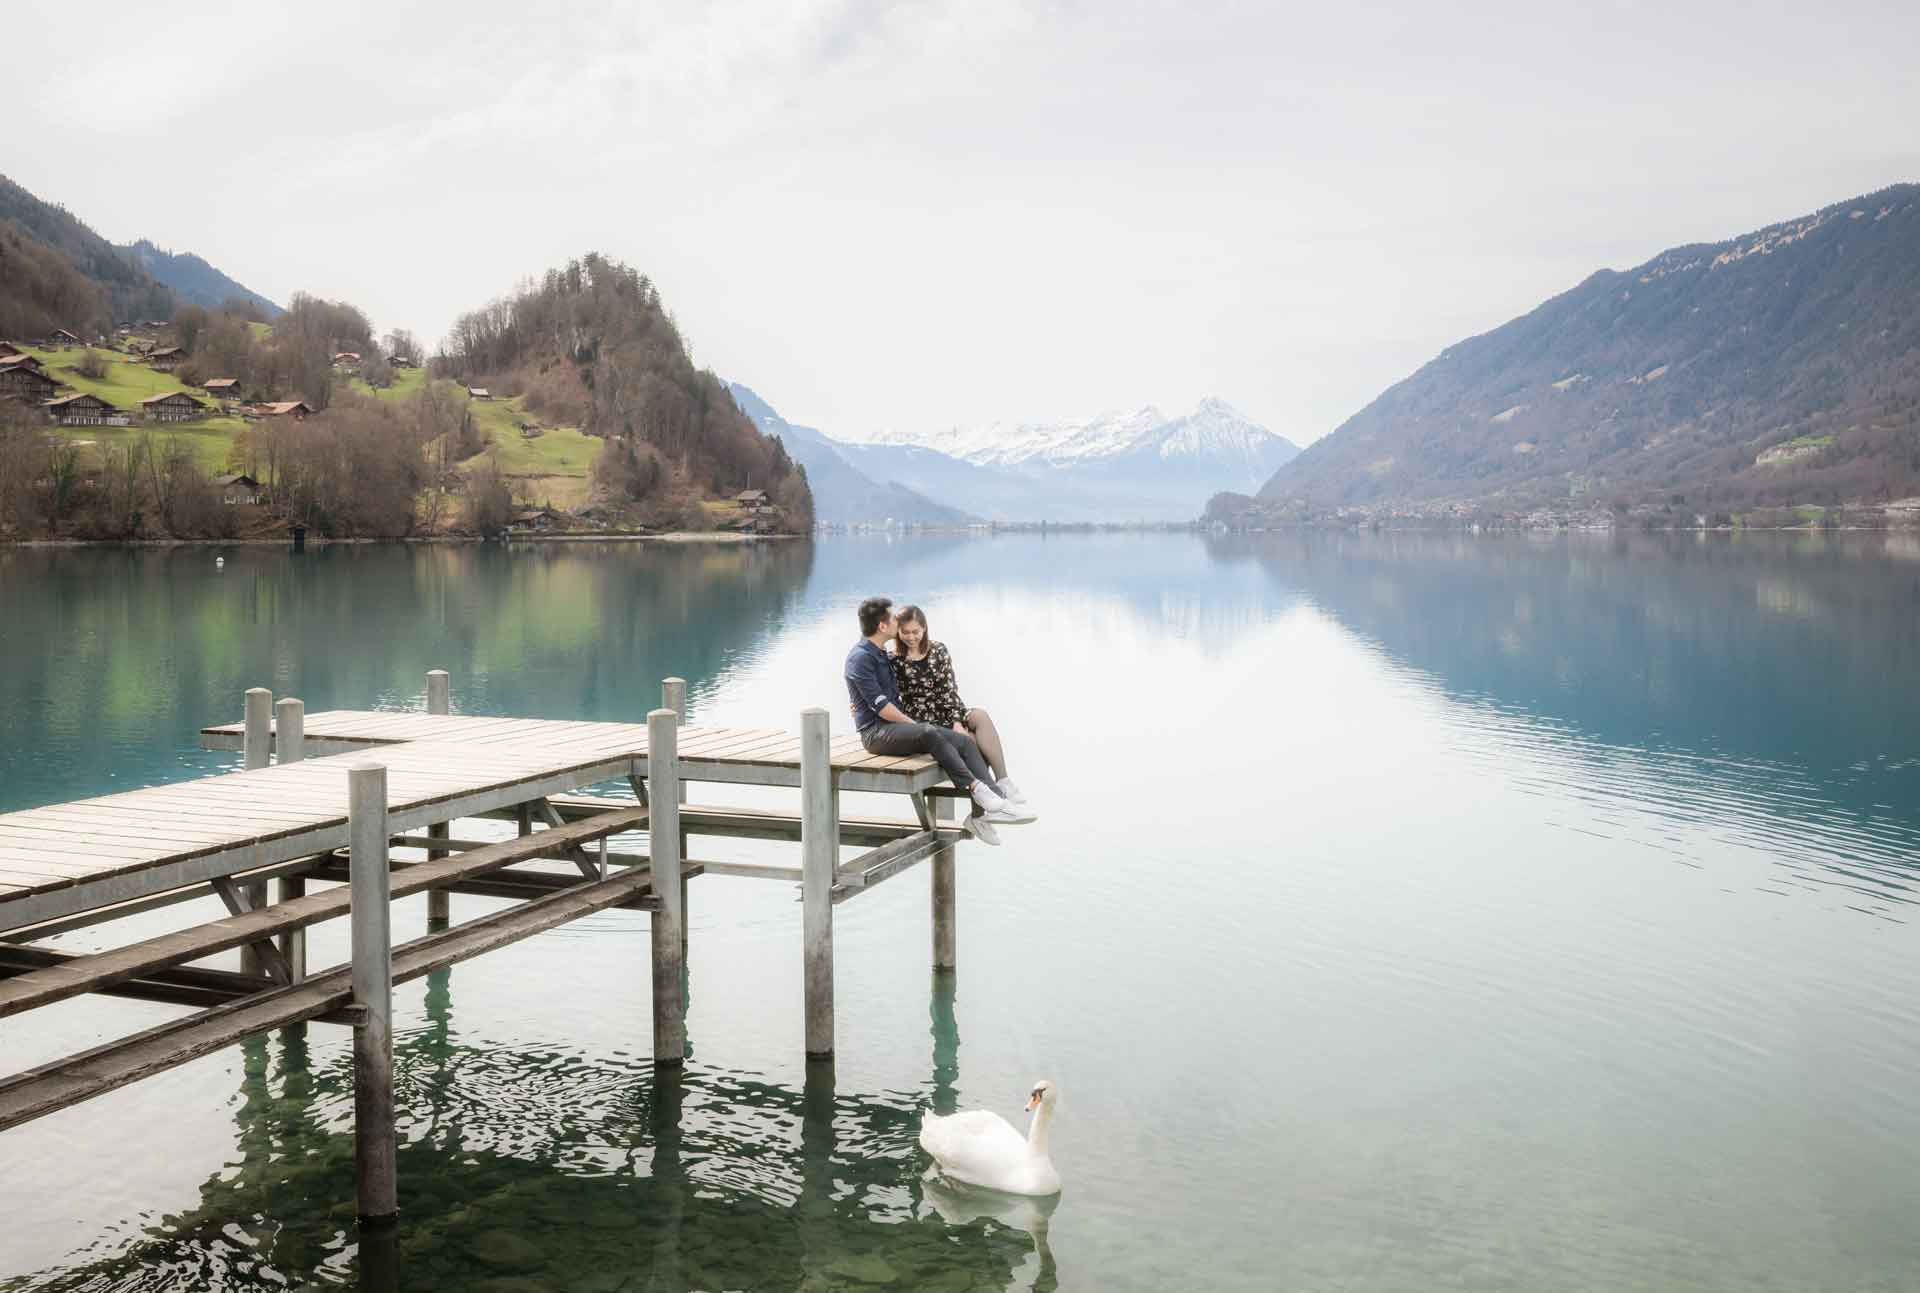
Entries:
{"x":1037,"y":1132}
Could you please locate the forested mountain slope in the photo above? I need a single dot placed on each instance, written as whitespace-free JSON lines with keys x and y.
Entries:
{"x":1775,"y":368}
{"x":591,"y":345}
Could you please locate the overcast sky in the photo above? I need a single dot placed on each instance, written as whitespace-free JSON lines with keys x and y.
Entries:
{"x":912,"y":215}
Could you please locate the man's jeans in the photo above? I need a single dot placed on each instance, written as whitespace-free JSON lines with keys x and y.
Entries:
{"x":956,"y":752}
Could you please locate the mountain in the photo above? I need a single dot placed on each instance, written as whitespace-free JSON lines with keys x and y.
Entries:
{"x":55,"y":272}
{"x":1139,"y":465}
{"x":1781,"y":367}
{"x":193,"y":280}
{"x":592,"y":345}
{"x":842,"y":493}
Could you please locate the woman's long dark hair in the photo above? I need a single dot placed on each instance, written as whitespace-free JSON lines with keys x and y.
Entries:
{"x":919,"y":617}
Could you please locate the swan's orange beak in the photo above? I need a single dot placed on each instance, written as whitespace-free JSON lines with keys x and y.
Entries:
{"x":1033,"y":1102}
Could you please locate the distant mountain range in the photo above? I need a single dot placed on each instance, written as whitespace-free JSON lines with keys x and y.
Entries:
{"x":56,"y":272}
{"x":193,"y":280}
{"x":1778,"y":368}
{"x":1133,"y":466}
{"x":842,"y":493}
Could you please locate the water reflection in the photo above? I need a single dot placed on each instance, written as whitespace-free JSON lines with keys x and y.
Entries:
{"x":576,"y":1172}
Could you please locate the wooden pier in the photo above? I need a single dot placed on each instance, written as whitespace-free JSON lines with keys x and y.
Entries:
{"x":328,"y":799}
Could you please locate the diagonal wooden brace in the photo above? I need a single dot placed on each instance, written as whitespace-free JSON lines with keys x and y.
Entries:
{"x":272,"y":959}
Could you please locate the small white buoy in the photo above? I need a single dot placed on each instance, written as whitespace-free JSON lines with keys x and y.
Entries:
{"x":219,"y":563}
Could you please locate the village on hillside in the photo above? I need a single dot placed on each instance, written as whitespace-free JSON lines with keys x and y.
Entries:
{"x":95,"y":394}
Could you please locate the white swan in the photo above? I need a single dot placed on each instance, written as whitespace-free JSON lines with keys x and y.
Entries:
{"x":982,"y":1148}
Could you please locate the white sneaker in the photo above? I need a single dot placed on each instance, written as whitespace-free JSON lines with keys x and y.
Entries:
{"x":982,"y":829}
{"x":996,"y":809}
{"x":1008,"y":790}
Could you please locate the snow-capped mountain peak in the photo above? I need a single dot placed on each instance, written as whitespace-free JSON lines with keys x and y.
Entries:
{"x":1214,"y":427}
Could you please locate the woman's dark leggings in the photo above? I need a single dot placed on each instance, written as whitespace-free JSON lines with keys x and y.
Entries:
{"x":956,"y":752}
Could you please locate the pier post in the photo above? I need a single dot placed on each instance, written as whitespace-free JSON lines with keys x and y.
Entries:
{"x":819,"y":852}
{"x":259,"y":727}
{"x":371,"y":916}
{"x":944,"y":896}
{"x":673,"y":696}
{"x":290,"y":746}
{"x":258,"y":749}
{"x":439,"y":901}
{"x":663,"y":848}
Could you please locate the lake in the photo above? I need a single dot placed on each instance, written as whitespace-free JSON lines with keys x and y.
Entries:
{"x":1406,"y":912}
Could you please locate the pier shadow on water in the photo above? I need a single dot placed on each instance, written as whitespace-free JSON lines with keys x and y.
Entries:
{"x":524,"y":1171}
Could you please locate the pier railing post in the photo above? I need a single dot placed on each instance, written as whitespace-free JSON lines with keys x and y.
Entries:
{"x":673,"y":696}
{"x":259,"y":727}
{"x":290,"y":746}
{"x":944,"y":895}
{"x":371,"y":918}
{"x":663,"y":848}
{"x":819,"y":851}
{"x":439,"y":901}
{"x":257,"y":753}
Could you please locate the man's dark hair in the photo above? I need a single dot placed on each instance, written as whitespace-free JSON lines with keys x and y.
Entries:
{"x":872,"y":612}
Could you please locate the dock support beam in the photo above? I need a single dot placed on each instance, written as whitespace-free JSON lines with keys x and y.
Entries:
{"x":290,"y":746}
{"x":439,"y":901}
{"x":819,"y":853}
{"x":663,"y":847}
{"x":257,"y":753}
{"x":945,"y":905}
{"x":373,"y":1147}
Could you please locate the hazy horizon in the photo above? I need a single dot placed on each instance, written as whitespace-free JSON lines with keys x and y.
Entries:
{"x":959,"y":214}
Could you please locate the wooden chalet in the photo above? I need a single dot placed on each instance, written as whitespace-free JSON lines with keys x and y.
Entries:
{"x":8,"y":348}
{"x":751,"y":499}
{"x":22,"y":360}
{"x":27,"y":382}
{"x":478,"y":393}
{"x":167,"y":358}
{"x":62,"y":339}
{"x":298,"y":410}
{"x":222,"y":388}
{"x":238,"y":489}
{"x":174,"y":406}
{"x":84,"y":411}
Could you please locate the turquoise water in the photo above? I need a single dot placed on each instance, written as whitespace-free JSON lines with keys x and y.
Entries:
{"x":1406,"y":912}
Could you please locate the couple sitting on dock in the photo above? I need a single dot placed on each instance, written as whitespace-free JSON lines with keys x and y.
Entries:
{"x":905,"y":701}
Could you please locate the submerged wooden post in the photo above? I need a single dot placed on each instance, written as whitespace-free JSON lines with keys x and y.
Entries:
{"x":944,"y":895}
{"x":371,"y":915}
{"x":258,"y":749}
{"x":439,"y":901}
{"x":663,"y":848}
{"x":819,"y":851}
{"x":290,"y":746}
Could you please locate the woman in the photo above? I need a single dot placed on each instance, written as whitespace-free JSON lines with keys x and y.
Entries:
{"x":928,"y":693}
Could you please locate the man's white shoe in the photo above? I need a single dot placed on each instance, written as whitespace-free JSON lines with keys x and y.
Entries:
{"x":1009,"y":791}
{"x":982,"y":829}
{"x":997,"y":809}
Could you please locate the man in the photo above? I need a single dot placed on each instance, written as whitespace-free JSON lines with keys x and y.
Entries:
{"x":885,"y":728}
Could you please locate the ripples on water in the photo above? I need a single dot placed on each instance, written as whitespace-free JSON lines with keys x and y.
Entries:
{"x":1514,"y":915}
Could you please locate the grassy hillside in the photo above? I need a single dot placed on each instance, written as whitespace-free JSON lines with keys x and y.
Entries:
{"x":551,"y":468}
{"x":124,"y":386}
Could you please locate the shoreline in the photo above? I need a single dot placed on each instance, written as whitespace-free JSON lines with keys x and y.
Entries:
{"x":285,"y":541}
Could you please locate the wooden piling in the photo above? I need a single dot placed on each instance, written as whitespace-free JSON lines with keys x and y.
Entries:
{"x":673,"y":696}
{"x":439,"y":901}
{"x":373,"y":1122}
{"x":258,"y":750}
{"x":259,"y":733}
{"x":819,"y":852}
{"x":290,"y":746}
{"x":945,"y":904}
{"x":663,"y":848}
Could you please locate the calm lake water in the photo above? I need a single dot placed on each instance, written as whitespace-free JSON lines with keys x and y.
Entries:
{"x":1407,"y":912}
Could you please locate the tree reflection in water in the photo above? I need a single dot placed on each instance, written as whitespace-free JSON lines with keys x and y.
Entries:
{"x":528,"y":1169}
